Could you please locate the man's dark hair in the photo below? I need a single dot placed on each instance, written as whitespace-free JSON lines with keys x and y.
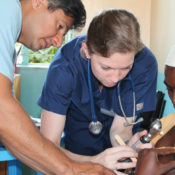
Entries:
{"x":72,"y":8}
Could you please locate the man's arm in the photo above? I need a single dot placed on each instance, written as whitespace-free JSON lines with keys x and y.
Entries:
{"x":22,"y":138}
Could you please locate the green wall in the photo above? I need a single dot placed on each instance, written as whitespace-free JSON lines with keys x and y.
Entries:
{"x":32,"y":80}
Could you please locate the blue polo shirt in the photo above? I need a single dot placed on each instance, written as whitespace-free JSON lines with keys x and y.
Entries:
{"x":66,"y":92}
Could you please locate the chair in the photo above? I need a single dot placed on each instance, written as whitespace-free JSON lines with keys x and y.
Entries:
{"x":14,"y":166}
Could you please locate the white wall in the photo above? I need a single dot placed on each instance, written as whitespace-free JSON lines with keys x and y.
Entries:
{"x":162,"y":29}
{"x":140,"y":8}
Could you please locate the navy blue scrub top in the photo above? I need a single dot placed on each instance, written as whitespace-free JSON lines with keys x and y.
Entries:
{"x":66,"y":92}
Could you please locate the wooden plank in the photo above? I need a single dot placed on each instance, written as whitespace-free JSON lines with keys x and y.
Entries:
{"x":167,"y":123}
{"x":122,"y":143}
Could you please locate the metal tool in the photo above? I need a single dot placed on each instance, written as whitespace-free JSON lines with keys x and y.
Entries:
{"x":155,"y":128}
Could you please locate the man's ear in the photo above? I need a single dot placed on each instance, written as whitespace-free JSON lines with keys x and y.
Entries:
{"x":85,"y":48}
{"x":37,"y":3}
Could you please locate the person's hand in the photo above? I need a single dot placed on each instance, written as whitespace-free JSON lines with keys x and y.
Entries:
{"x":148,"y":163}
{"x":87,"y":168}
{"x":111,"y":157}
{"x":136,"y":137}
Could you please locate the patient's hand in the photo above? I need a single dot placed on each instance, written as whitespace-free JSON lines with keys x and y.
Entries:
{"x":148,"y":163}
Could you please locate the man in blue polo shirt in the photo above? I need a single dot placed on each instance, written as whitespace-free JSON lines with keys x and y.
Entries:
{"x":86,"y":78}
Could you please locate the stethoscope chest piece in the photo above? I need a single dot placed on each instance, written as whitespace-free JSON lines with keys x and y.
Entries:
{"x":95,"y":127}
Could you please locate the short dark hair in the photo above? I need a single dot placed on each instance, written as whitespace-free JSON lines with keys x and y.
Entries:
{"x":72,"y":8}
{"x":114,"y":30}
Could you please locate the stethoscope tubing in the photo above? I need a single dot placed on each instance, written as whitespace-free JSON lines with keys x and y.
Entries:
{"x":134,"y":102}
{"x":94,"y":118}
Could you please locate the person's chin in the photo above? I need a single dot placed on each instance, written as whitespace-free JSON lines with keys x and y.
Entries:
{"x":40,"y":45}
{"x":36,"y":47}
{"x":110,"y":84}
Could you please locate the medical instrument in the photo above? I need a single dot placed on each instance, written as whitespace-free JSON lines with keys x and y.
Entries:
{"x":95,"y":126}
{"x":156,"y":127}
{"x":127,"y":123}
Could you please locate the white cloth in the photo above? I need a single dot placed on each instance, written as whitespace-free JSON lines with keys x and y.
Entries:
{"x":170,"y":60}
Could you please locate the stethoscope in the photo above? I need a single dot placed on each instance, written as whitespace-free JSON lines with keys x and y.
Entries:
{"x":127,"y":123}
{"x":95,"y":126}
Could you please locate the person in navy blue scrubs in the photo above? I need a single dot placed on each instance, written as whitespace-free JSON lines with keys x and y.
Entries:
{"x":114,"y":52}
